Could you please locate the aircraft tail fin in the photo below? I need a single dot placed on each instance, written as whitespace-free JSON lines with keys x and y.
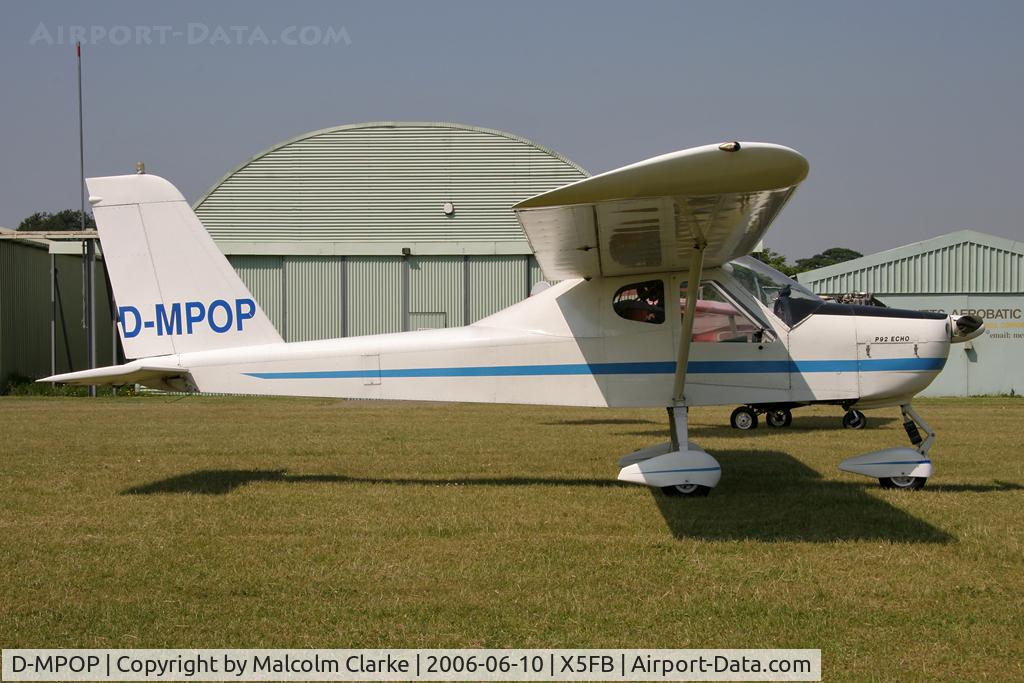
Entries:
{"x":175,"y":291}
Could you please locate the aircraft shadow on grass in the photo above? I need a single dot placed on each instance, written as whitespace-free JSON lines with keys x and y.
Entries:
{"x":594,"y":422}
{"x":997,"y":486}
{"x":764,"y":496}
{"x":771,"y":496}
{"x":220,"y":482}
{"x":809,"y":423}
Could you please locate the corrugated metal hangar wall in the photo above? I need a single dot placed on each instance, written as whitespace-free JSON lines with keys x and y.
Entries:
{"x":964,"y":272}
{"x":383,"y":227}
{"x":322,"y":297}
{"x":25,"y":291}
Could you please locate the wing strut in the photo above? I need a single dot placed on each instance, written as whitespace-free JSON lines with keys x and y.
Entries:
{"x":679,"y":467}
{"x":683,"y":356}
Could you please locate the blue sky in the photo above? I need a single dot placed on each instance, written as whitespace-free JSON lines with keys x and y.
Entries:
{"x":909,"y":112}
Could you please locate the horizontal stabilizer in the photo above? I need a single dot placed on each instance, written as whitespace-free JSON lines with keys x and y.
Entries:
{"x":167,"y":377}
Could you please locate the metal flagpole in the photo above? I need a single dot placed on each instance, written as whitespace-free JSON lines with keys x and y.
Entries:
{"x":90,"y":244}
{"x":53,"y":317}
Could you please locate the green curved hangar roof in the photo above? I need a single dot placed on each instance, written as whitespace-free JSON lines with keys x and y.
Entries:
{"x":384,"y":182}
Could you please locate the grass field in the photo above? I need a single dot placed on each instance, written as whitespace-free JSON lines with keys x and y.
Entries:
{"x":242,"y":522}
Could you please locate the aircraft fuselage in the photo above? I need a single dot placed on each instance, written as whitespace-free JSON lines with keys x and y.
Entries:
{"x":572,"y":345}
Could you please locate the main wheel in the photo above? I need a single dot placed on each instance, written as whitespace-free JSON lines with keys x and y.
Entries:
{"x":779,"y":418}
{"x":854,"y":419}
{"x":743,"y":418}
{"x":906,"y":483}
{"x":686,"y":490}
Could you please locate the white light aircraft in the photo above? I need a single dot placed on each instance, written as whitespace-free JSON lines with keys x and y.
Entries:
{"x":659,"y":304}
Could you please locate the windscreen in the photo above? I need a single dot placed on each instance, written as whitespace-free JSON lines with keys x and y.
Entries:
{"x":787,"y":298}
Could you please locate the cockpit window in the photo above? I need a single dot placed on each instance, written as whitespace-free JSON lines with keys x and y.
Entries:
{"x":788,"y":299}
{"x":717,"y":319}
{"x":642,"y":301}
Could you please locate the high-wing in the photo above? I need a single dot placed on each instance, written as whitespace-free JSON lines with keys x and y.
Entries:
{"x":647,"y":217}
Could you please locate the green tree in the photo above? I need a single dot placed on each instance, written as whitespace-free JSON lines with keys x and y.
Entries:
{"x":775,"y":260}
{"x":68,"y":219}
{"x":828,"y":257}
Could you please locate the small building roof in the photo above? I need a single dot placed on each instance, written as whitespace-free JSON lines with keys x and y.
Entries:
{"x":961,"y":262}
{"x":10,"y":235}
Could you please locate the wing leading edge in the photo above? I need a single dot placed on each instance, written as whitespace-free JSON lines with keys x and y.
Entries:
{"x":650,"y":216}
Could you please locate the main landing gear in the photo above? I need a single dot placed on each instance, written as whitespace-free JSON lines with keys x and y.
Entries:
{"x":745,"y":417}
{"x":682,"y":468}
{"x":684,"y":490}
{"x":854,"y":419}
{"x":679,"y":467}
{"x":899,"y":468}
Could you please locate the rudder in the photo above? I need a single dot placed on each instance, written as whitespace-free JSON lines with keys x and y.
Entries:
{"x":174,"y":289}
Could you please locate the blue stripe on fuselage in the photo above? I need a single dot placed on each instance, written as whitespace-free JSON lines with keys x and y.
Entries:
{"x":728,"y":367}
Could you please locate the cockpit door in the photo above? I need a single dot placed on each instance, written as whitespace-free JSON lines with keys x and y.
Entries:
{"x":637,"y":338}
{"x":731,"y":347}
